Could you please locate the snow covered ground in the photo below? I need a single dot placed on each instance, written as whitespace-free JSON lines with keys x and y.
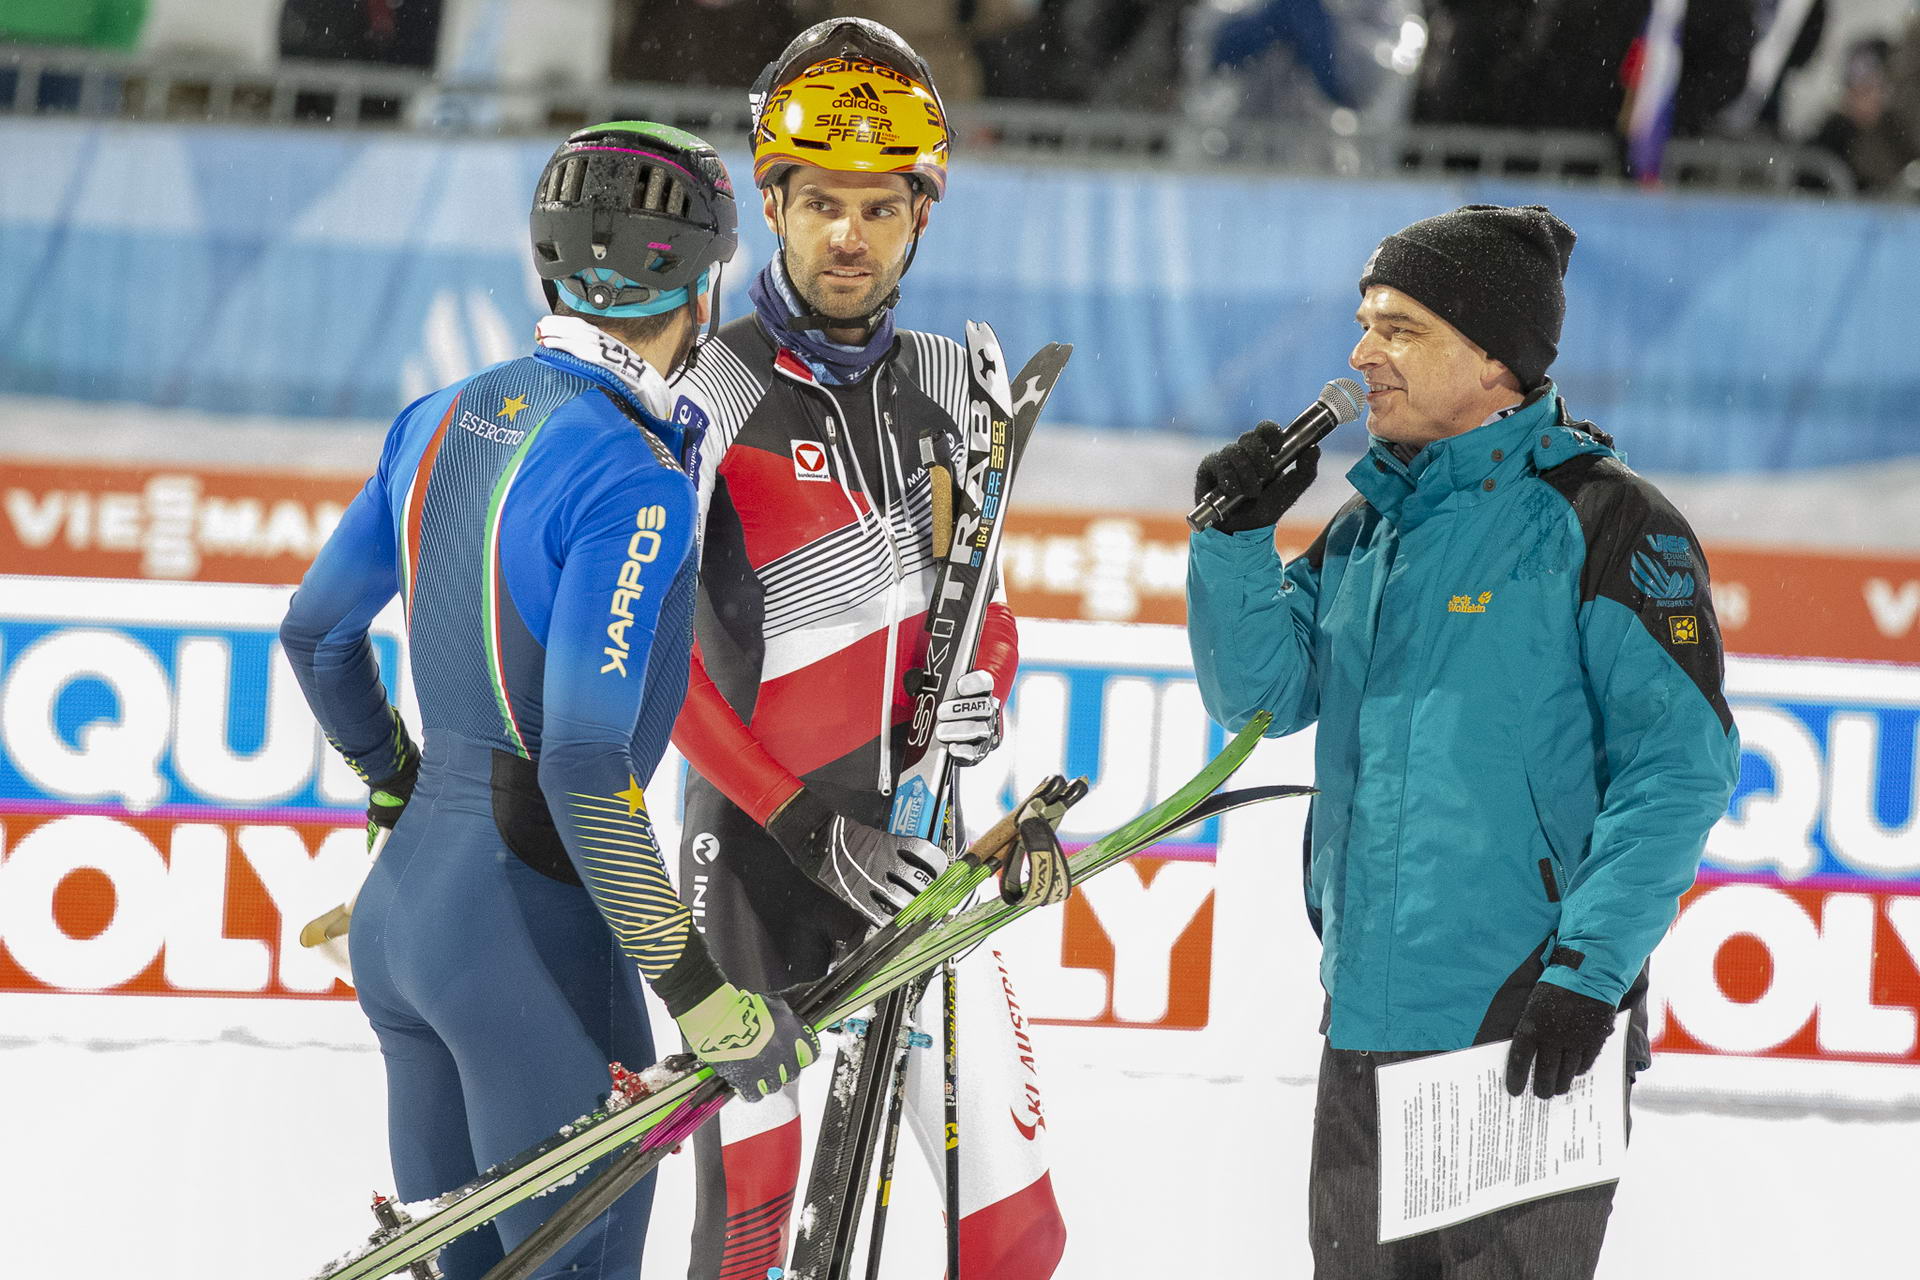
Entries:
{"x":213,"y":1139}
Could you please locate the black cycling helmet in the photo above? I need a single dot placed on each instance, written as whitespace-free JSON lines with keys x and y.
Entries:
{"x":629,"y":218}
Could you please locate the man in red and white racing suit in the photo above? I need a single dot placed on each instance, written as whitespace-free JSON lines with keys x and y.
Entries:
{"x":816,"y":506}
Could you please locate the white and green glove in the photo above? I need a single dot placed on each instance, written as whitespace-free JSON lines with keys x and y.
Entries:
{"x":753,"y":1042}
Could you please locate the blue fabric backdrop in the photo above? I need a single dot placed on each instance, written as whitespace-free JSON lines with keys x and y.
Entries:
{"x":335,"y":274}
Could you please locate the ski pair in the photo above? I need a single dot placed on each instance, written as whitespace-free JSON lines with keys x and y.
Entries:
{"x":1193,"y":804}
{"x":683,"y":1093}
{"x":868,"y":1071}
{"x":670,"y":1100}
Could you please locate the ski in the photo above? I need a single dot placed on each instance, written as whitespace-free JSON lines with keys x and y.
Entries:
{"x":889,"y":1151}
{"x":955,"y":936}
{"x":950,"y":1105}
{"x":997,"y":432}
{"x":682,"y":1094}
{"x":1048,"y":802}
{"x":843,"y":1158}
{"x":969,"y":929}
{"x":995,"y":436}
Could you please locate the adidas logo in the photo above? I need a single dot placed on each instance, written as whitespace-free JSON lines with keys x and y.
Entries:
{"x":863,"y":97}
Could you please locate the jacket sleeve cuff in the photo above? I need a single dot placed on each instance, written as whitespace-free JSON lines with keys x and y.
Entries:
{"x":692,"y":978}
{"x":999,"y":652}
{"x":1582,"y":983}
{"x":792,"y":825}
{"x":1234,"y":555}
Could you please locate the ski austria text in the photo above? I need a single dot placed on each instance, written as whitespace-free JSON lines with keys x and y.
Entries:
{"x":169,"y":815}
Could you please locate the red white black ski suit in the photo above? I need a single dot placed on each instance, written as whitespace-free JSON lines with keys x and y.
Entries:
{"x":817,"y":568}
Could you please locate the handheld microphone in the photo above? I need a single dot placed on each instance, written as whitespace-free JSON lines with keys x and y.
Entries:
{"x":1339,"y":402}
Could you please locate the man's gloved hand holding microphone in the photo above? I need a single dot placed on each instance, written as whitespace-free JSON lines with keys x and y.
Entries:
{"x":1252,"y":482}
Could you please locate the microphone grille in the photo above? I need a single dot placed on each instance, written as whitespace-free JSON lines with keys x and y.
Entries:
{"x":1344,"y":396}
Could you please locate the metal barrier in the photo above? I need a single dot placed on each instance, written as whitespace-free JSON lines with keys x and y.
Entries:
{"x":38,"y":80}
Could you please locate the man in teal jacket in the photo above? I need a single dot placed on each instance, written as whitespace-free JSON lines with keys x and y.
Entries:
{"x":1507,"y":643}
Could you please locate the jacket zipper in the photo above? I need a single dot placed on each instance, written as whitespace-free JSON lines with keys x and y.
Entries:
{"x":887,"y":455}
{"x":883,"y":775}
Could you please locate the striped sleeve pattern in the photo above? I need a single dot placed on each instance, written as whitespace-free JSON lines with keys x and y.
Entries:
{"x":940,"y":370}
{"x":620,"y":861}
{"x":727,"y":392}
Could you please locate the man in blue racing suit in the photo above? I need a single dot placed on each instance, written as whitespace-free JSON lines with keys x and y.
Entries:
{"x":538,"y":521}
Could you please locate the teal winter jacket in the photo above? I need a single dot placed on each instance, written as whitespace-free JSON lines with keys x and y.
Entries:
{"x":1509,"y":650}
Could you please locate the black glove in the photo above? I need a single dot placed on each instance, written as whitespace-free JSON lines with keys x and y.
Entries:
{"x":389,"y":796}
{"x":1242,"y":470}
{"x":1559,"y":1035}
{"x":873,"y":871}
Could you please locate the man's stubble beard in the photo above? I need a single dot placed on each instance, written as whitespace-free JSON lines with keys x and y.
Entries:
{"x":854,"y":312}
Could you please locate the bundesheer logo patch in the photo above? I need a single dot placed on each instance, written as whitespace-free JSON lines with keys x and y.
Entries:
{"x":810,"y":461}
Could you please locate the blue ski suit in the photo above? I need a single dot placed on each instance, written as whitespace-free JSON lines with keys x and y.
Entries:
{"x":538,"y":520}
{"x":1511,"y":654}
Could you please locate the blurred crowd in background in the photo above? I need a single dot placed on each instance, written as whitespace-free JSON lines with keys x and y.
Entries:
{"x":1851,"y":68}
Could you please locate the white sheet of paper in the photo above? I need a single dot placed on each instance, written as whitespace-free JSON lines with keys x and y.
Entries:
{"x":1454,"y":1144}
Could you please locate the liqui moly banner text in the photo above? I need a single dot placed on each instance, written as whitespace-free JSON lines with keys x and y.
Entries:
{"x":168,"y":808}
{"x":169,"y":816}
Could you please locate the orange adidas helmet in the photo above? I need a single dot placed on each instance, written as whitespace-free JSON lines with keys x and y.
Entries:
{"x":851,"y":96}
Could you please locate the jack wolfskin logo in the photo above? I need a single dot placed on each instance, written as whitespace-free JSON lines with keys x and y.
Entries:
{"x":1672,"y":548}
{"x":1470,"y":604}
{"x":1684,"y":628}
{"x":1663,"y":586}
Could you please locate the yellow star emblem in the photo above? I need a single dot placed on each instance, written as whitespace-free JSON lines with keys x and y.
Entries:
{"x":510,"y":407}
{"x":636,"y":798}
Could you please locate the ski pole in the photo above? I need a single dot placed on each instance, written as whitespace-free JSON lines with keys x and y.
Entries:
{"x":950,"y":1088}
{"x":890,"y":1142}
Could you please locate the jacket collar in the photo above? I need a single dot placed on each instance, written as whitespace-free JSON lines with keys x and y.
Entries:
{"x":1476,"y":466}
{"x":572,"y":344}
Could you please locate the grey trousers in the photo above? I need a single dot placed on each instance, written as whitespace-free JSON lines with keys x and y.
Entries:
{"x":1557,"y":1238}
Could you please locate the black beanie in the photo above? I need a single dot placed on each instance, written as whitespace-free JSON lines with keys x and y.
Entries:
{"x":1491,"y":272}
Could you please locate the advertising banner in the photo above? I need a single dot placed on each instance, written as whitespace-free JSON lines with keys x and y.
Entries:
{"x":264,"y":525}
{"x":170,"y":815}
{"x":1133,"y":568}
{"x":168,"y":808}
{"x":1801,"y":940}
{"x":212,"y":525}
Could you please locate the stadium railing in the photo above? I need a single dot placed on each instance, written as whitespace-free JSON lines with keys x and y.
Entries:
{"x":88,"y":83}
